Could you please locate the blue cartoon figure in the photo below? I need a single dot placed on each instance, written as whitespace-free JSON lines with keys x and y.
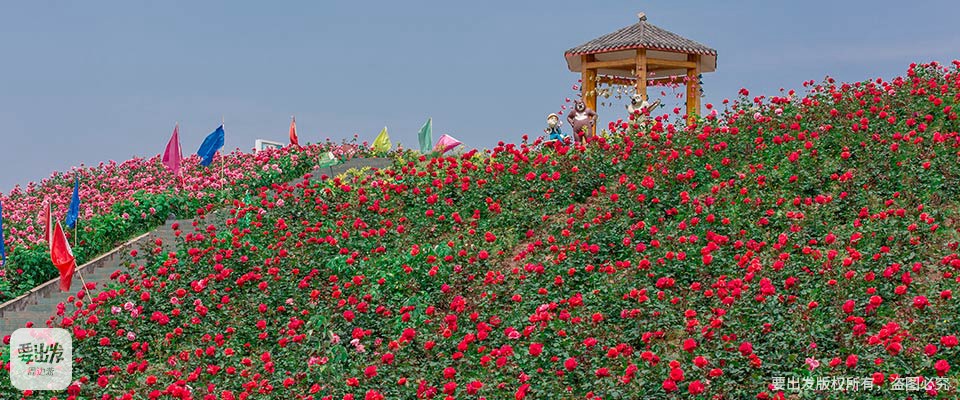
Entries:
{"x":553,"y":128}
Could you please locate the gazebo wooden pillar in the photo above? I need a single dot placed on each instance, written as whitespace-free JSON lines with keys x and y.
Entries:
{"x":638,"y":54}
{"x":693,"y":89}
{"x":588,"y":84}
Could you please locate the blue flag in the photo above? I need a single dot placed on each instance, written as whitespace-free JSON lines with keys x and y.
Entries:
{"x":74,"y":211}
{"x":210,"y":146}
{"x":3,"y":252}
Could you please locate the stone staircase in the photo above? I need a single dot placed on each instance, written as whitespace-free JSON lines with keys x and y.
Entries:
{"x":39,"y":304}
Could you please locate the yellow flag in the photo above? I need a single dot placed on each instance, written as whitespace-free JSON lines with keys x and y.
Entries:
{"x":382,"y":143}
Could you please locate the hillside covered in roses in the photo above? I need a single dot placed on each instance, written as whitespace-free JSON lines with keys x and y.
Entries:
{"x":120,"y":200}
{"x":801,"y":235}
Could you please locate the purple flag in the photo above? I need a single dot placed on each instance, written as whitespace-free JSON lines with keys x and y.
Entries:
{"x":172,"y":155}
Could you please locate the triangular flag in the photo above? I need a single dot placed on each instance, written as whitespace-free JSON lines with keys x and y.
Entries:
{"x":62,"y":257}
{"x":172,"y":154}
{"x":3,"y":252}
{"x":74,"y":212}
{"x":210,"y":146}
{"x":426,"y":136}
{"x":294,"y":140}
{"x":446,"y":143}
{"x":382,"y":144}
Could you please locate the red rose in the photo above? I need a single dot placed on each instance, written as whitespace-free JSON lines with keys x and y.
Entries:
{"x":746,"y":348}
{"x":948,"y":341}
{"x":676,"y":374}
{"x":450,"y":388}
{"x":474,"y":387}
{"x":878,"y":378}
{"x":920,"y":302}
{"x":942,"y":367}
{"x":522,"y":391}
{"x":536,"y":349}
{"x":848,"y":307}
{"x":597,"y":318}
{"x":852,"y":361}
{"x":699,"y":361}
{"x":894,"y":348}
{"x":695,"y":388}
{"x":669,"y":385}
{"x":449,"y":372}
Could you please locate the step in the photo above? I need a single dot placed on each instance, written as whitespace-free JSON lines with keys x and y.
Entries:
{"x":22,"y":317}
{"x":96,"y":277}
{"x":52,"y":301}
{"x":99,"y":273}
{"x":43,"y":313}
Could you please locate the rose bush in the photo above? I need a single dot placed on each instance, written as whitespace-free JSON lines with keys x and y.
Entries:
{"x":121,"y":200}
{"x":796,"y":236}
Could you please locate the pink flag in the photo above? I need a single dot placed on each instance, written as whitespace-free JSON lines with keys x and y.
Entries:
{"x":172,"y":155}
{"x":294,"y":140}
{"x":446,"y":143}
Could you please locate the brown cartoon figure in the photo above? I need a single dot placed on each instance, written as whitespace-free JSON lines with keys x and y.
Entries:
{"x":581,"y":119}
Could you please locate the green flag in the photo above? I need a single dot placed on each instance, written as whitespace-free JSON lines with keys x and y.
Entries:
{"x":426,"y":137}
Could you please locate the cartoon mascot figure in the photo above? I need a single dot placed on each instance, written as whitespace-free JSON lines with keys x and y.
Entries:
{"x":582,"y":120}
{"x":637,"y":103}
{"x":553,"y":129}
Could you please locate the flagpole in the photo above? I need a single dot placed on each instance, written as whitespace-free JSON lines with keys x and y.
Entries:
{"x":76,"y":224}
{"x":76,"y":244}
{"x":176,"y":127}
{"x":221,"y":153}
{"x":84,"y":283}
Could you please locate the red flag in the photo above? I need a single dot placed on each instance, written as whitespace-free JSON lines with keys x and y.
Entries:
{"x":293,"y":133}
{"x":172,"y":154}
{"x":62,"y":257}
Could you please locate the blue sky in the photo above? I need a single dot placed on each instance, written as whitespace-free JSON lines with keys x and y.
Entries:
{"x":84,"y":82}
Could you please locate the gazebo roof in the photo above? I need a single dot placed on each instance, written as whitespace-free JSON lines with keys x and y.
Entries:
{"x":659,"y":43}
{"x":642,"y":35}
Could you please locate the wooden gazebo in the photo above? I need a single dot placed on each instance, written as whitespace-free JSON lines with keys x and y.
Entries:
{"x":639,"y":53}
